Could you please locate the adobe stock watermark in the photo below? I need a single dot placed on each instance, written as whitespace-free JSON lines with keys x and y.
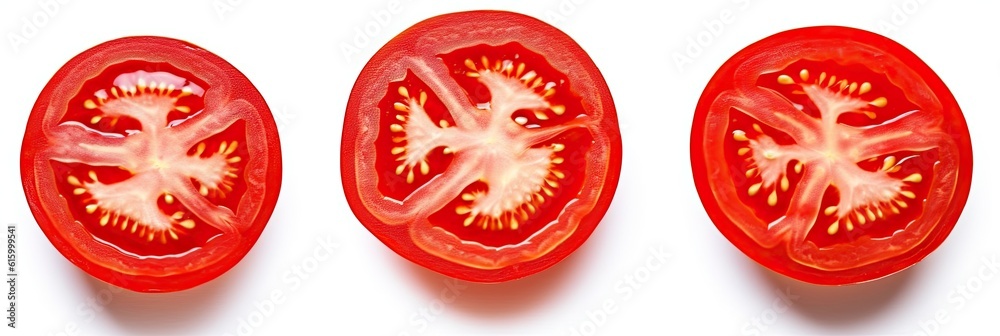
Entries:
{"x":224,"y":7}
{"x":562,"y":11}
{"x":420,"y":320}
{"x":283,"y":118}
{"x":31,"y":25}
{"x":88,"y":310}
{"x":901,"y":12}
{"x":713,"y":28}
{"x":625,"y":289}
{"x":291,"y":279}
{"x":783,"y":301}
{"x":379,"y":20}
{"x":959,"y":296}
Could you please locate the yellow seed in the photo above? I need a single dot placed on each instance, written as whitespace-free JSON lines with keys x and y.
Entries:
{"x":89,"y":104}
{"x":168,"y":198}
{"x":468,"y":197}
{"x":200,"y":149}
{"x":804,"y":74}
{"x":79,"y":191}
{"x":409,"y":176}
{"x":798,"y":168}
{"x":832,"y":230}
{"x":739,"y":135}
{"x":915,"y":178}
{"x":871,"y":215}
{"x":558,"y":109}
{"x":772,"y":199}
{"x":461,"y":210}
{"x":234,"y":159}
{"x":865,"y":87}
{"x":754,"y":189}
{"x":470,"y":64}
{"x":558,"y":174}
{"x":403,"y":92}
{"x":397,"y":150}
{"x":785,"y":80}
{"x":172,"y":235}
{"x":830,"y":210}
{"x":203,"y":191}
{"x":743,"y":151}
{"x":187,"y":224}
{"x":888,"y":163}
{"x":752,"y":172}
{"x":396,"y":128}
{"x":757,"y":128}
{"x":879,"y":102}
{"x":850,"y":226}
{"x":73,"y":181}
{"x":468,"y":221}
{"x":784,"y":183}
{"x":908,"y":194}
{"x":231,"y":148}
{"x":95,"y":119}
{"x":183,"y":109}
{"x":91,"y":208}
{"x":424,"y":168}
{"x":423,"y":98}
{"x":558,"y":147}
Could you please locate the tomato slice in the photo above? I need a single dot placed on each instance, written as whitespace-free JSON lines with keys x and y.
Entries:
{"x":151,"y":163}
{"x":831,"y":155}
{"x":482,"y":145}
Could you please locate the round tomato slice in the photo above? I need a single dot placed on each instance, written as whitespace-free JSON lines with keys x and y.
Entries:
{"x":482,"y":145}
{"x":151,"y":164}
{"x":831,"y":155}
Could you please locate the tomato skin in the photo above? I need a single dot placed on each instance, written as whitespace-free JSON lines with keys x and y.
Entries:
{"x":462,"y":30}
{"x":778,"y":258}
{"x":102,"y":261}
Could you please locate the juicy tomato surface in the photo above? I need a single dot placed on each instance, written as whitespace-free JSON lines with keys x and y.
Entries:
{"x":151,"y":164}
{"x":831,"y":155}
{"x":482,"y":145}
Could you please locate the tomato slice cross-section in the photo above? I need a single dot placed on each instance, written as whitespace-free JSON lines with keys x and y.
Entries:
{"x":151,"y":163}
{"x":482,"y":145}
{"x":831,"y":155}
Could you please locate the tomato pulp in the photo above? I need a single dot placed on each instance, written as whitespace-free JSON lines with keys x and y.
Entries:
{"x":151,"y":164}
{"x":482,"y":145}
{"x":831,"y":155}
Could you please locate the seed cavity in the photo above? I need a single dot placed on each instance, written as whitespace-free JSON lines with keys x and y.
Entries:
{"x":515,"y":205}
{"x":841,"y":87}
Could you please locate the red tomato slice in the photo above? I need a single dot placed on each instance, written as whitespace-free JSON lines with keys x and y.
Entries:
{"x":482,"y":145}
{"x":151,"y":163}
{"x":831,"y":155}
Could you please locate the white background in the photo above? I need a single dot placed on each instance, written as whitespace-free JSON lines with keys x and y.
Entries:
{"x":292,"y":52}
